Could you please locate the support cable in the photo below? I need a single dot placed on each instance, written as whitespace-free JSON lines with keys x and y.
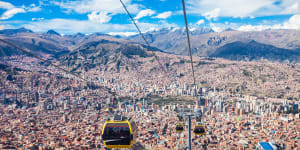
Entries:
{"x":189,"y":42}
{"x":143,"y":37}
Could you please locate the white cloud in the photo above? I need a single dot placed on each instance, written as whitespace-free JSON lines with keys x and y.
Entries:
{"x":144,"y":13}
{"x":2,"y":27}
{"x":164,"y":15}
{"x":254,"y":28}
{"x":111,"y":7}
{"x":37,"y":19}
{"x":217,"y":28}
{"x":294,"y":8}
{"x":88,"y":6}
{"x":242,"y":8}
{"x":11,"y":12}
{"x":212,"y":14}
{"x":70,"y":26}
{"x":122,"y":33}
{"x":5,"y":5}
{"x":100,"y":17}
{"x":292,"y":23}
{"x":200,"y":22}
{"x":33,"y":8}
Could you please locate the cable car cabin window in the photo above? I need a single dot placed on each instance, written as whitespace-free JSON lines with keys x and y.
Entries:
{"x":117,"y":134}
{"x":179,"y":128}
{"x":199,"y":130}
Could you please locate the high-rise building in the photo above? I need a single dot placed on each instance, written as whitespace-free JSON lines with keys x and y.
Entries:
{"x":286,"y":102}
{"x":66,"y":105}
{"x":37,"y":97}
{"x":201,"y":101}
{"x":237,"y":111}
{"x":225,"y":109}
{"x":295,"y":108}
{"x":219,"y":106}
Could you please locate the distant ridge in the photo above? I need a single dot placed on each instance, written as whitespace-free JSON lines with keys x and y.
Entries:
{"x":205,"y":41}
{"x":229,"y":29}
{"x":274,"y":45}
{"x":53,"y":44}
{"x":15,"y":31}
{"x":255,"y":51}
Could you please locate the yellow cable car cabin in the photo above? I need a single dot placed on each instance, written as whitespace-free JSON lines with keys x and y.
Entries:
{"x":179,"y":127}
{"x":119,"y":133}
{"x":199,"y":128}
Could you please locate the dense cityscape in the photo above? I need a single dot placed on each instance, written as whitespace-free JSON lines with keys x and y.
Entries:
{"x":150,"y":75}
{"x":51,"y":109}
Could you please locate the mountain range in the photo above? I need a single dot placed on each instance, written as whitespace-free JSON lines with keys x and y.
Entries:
{"x":274,"y":45}
{"x":206,"y":42}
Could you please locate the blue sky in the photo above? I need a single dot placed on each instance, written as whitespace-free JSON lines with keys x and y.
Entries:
{"x":108,"y":16}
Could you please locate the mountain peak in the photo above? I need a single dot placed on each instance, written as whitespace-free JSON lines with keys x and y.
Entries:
{"x":229,"y":29}
{"x":196,"y":31}
{"x":193,"y":31}
{"x":15,"y":31}
{"x":23,"y":30}
{"x":53,"y":32}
